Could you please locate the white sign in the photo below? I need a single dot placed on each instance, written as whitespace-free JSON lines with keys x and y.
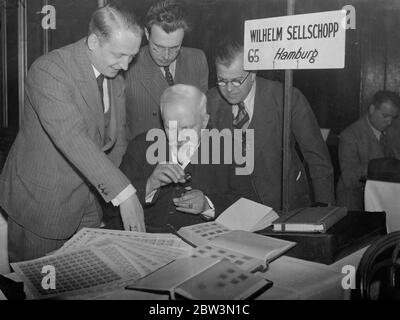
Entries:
{"x":304,"y":41}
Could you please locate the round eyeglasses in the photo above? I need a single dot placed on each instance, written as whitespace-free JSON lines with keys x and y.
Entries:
{"x":235,"y":82}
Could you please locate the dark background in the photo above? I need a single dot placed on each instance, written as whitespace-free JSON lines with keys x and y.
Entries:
{"x":338,"y":97}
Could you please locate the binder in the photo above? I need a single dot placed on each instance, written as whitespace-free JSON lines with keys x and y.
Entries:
{"x":355,"y":231}
{"x":316,"y":219}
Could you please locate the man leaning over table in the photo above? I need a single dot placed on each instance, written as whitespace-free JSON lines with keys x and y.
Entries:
{"x":71,"y":140}
{"x":243,"y":101}
{"x":178,"y":187}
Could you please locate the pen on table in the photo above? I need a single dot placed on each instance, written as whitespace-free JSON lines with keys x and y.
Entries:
{"x":179,"y":236}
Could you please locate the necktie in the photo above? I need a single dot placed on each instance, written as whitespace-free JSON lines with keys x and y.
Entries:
{"x":241,"y":120}
{"x":168,"y":76}
{"x":383,"y":141}
{"x":100,"y":80}
{"x":242,"y":117}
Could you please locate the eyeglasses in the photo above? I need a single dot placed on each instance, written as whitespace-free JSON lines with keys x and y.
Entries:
{"x":235,"y":82}
{"x":160,"y":49}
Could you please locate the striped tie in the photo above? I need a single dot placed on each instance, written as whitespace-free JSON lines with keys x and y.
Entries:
{"x":168,"y":76}
{"x":242,"y":117}
{"x":240,"y":122}
{"x":100,"y":80}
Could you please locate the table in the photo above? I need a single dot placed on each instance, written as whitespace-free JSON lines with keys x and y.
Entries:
{"x":305,"y":280}
{"x":294,"y":279}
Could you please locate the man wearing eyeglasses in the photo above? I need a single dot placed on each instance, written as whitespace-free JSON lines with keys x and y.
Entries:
{"x":160,"y":64}
{"x":242,"y":101}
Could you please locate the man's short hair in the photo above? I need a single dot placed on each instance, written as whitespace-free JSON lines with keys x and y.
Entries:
{"x":383,"y":96}
{"x":227,"y":49}
{"x":169,"y":15}
{"x":109,"y":18}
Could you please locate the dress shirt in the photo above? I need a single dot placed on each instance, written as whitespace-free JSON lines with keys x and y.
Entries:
{"x":129,"y":190}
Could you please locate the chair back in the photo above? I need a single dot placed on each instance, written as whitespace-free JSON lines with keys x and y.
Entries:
{"x":378,"y":273}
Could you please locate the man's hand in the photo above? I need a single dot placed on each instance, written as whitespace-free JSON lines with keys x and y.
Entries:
{"x":192,"y":201}
{"x":164,"y":174}
{"x":132,"y":214}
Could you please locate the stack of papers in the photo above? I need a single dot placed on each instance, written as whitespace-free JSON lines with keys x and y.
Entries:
{"x":247,"y":215}
{"x":203,"y":279}
{"x":99,"y":260}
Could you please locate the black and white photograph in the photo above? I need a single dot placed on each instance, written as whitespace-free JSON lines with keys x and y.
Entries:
{"x":199,"y":156}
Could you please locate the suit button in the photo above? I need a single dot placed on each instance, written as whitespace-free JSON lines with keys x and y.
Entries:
{"x":171,"y":212}
{"x":154,"y":114}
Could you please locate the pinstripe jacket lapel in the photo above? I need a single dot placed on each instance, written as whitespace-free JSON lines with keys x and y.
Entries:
{"x":113,"y":92}
{"x":153,"y":79}
{"x":182,"y":63}
{"x":85,"y":76}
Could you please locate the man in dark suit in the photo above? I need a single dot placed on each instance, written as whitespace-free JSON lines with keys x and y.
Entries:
{"x":71,"y":140}
{"x":244,"y":101}
{"x":160,"y":64}
{"x":366,"y":139}
{"x":173,"y":179}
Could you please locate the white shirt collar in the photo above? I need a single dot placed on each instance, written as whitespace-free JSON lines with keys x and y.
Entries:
{"x":96,"y":72}
{"x":106,"y":98}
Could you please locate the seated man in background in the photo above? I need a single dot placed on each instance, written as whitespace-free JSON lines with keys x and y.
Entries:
{"x":364,"y":140}
{"x":176,"y":189}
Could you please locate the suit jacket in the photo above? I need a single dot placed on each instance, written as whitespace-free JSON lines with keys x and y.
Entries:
{"x":145,"y":84}
{"x":357,"y":146}
{"x":393,"y":134}
{"x":59,"y":151}
{"x":214,"y":180}
{"x":267,"y":122}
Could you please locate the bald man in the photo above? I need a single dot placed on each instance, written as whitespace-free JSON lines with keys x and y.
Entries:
{"x":174,"y":187}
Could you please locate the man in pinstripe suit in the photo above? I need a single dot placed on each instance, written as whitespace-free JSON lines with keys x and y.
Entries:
{"x":71,"y":140}
{"x":162,"y":63}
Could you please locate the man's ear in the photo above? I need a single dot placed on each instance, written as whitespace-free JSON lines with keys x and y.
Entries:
{"x":371,"y":108}
{"x":206,"y":118}
{"x":253,"y":75}
{"x":93,"y":41}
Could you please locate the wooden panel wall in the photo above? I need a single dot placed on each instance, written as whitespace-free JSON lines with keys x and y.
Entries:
{"x":337,"y":97}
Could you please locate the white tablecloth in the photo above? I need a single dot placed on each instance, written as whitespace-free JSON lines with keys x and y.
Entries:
{"x":294,"y":279}
{"x":384,"y":196}
{"x":305,"y":280}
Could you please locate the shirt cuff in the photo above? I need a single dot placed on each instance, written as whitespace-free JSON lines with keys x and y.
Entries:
{"x":150,"y":196}
{"x":209,"y":213}
{"x":123,"y":195}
